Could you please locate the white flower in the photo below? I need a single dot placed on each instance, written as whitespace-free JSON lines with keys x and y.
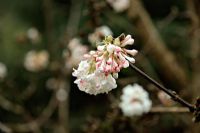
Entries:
{"x":93,"y":81}
{"x":3,"y":70}
{"x":99,"y":34}
{"x":77,"y":50}
{"x":98,"y":72}
{"x":135,"y":101}
{"x":119,"y":5}
{"x":36,"y":61}
{"x":61,"y":94}
{"x":33,"y":34}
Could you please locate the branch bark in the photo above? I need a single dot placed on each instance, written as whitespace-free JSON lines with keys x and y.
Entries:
{"x":171,"y":93}
{"x":157,"y":49}
{"x":169,"y":110}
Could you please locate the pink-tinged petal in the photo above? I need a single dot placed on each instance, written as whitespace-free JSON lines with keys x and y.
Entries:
{"x":109,"y":61}
{"x":127,"y":41}
{"x":132,"y":52}
{"x":121,"y":57}
{"x":126,"y":64}
{"x":132,"y":60}
{"x":99,"y":58}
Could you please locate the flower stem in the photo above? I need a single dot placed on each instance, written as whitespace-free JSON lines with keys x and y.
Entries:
{"x":173,"y":94}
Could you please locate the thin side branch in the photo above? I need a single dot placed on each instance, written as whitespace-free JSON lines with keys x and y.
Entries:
{"x":169,"y":110}
{"x":173,"y":94}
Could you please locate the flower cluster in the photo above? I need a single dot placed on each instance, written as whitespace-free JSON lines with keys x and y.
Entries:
{"x":99,"y":34}
{"x":119,"y":5}
{"x":33,"y":35}
{"x":76,"y":52}
{"x":135,"y":101}
{"x":36,"y":61}
{"x":97,"y":73}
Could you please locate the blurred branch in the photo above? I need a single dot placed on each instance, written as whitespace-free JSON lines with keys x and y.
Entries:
{"x":4,"y":128}
{"x":10,"y":106}
{"x":73,"y":20}
{"x":63,"y":106}
{"x":125,"y":81}
{"x":169,"y":110}
{"x":48,"y":16}
{"x":155,"y":46}
{"x":195,"y":46}
{"x":171,"y":16}
{"x":173,"y":94}
{"x":38,"y":122}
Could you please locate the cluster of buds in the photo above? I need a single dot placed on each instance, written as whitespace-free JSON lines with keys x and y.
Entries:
{"x":97,"y":73}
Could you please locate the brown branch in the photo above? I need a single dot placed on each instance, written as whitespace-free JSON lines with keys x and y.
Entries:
{"x":173,"y":94}
{"x":169,"y":110}
{"x":73,"y":21}
{"x":195,"y":46}
{"x":156,"y":47}
{"x":34,"y":125}
{"x":4,"y":128}
{"x":63,"y":108}
{"x":10,"y":106}
{"x":48,"y":16}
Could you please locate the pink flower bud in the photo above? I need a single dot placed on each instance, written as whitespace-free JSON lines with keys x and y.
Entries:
{"x":132,"y":52}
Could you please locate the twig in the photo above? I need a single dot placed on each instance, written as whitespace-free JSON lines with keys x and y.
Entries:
{"x":169,"y":110}
{"x":4,"y":128}
{"x":48,"y":15}
{"x":173,"y":94}
{"x":10,"y":106}
{"x":38,"y":122}
{"x":156,"y":46}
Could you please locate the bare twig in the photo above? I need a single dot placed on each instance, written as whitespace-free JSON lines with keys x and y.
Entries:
{"x":48,"y":15}
{"x":169,"y":110}
{"x":38,"y":122}
{"x":173,"y":94}
{"x":157,"y":49}
{"x":10,"y":106}
{"x":4,"y":128}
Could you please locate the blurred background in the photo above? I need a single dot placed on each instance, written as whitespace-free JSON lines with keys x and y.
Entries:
{"x":41,"y":41}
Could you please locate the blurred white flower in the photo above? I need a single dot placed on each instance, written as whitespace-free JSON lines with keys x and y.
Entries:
{"x":119,"y":5}
{"x":3,"y":70}
{"x":135,"y":101}
{"x":33,"y":35}
{"x":99,"y":34}
{"x":93,"y":81}
{"x":61,"y":94}
{"x":77,"y":50}
{"x":36,"y":61}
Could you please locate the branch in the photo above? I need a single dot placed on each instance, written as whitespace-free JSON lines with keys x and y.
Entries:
{"x":9,"y":106}
{"x":34,"y":125}
{"x":4,"y":128}
{"x":173,"y":94}
{"x":169,"y":110}
{"x":155,"y":46}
